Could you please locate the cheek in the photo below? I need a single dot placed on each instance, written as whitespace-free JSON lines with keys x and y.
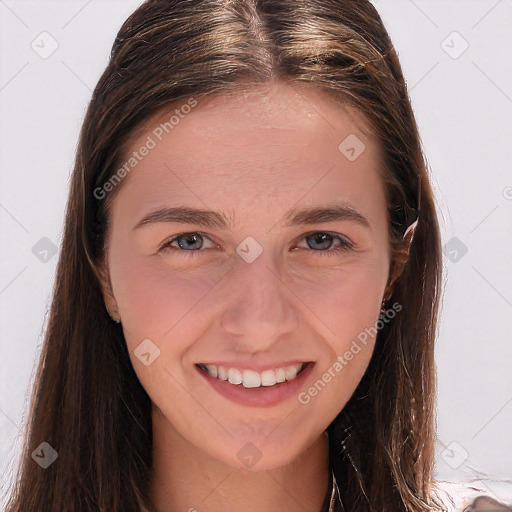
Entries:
{"x":154,"y":299}
{"x":153,"y":302}
{"x":347,"y":300}
{"x":360,"y":298}
{"x":350,"y":310}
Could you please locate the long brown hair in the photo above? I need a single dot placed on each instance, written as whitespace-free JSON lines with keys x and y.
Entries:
{"x":87,"y":401}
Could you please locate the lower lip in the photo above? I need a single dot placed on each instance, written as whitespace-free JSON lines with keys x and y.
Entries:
{"x":264,"y":396}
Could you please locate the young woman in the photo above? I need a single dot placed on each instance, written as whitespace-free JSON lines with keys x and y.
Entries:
{"x":247,"y":293}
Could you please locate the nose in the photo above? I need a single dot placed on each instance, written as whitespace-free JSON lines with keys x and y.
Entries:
{"x":259,"y":307}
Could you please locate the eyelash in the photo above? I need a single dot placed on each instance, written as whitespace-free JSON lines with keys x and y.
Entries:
{"x":344,"y":246}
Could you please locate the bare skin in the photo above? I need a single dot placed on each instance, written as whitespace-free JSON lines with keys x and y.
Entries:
{"x":253,"y":157}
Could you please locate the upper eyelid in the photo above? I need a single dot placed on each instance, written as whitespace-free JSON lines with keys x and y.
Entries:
{"x":341,"y":236}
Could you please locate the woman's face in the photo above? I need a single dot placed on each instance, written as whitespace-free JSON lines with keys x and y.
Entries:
{"x":252,"y":282}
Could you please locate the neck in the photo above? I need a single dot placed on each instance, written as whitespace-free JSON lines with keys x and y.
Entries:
{"x":189,"y":480}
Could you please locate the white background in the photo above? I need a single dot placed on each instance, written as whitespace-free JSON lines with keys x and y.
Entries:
{"x":463,"y":103}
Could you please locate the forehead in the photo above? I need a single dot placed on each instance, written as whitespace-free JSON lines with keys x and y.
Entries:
{"x":271,"y":122}
{"x":277,"y":141}
{"x":281,"y":108}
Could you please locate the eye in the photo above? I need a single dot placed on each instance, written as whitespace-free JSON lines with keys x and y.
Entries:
{"x":324,"y":238}
{"x":191,"y":243}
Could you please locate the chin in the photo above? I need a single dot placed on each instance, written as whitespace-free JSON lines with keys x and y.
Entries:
{"x":261,"y":454}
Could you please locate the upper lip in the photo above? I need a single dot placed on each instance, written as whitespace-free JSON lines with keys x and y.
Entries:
{"x":255,"y":367}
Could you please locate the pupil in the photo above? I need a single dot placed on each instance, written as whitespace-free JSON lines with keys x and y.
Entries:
{"x":189,"y":238}
{"x":320,"y":236}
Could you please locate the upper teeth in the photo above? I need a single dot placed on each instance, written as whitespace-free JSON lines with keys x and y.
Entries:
{"x":252,"y":379}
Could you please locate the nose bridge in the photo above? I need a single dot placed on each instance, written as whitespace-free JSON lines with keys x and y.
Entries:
{"x":259,"y":305}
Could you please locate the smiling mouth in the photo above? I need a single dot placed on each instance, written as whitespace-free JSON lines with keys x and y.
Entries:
{"x":253,"y":379}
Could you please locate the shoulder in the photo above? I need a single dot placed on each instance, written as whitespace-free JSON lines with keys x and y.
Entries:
{"x":475,"y":496}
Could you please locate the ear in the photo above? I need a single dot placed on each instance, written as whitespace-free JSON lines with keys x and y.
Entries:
{"x":400,"y":260}
{"x":106,"y":288}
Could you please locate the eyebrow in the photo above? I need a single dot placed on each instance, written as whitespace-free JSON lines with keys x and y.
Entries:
{"x":311,"y":215}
